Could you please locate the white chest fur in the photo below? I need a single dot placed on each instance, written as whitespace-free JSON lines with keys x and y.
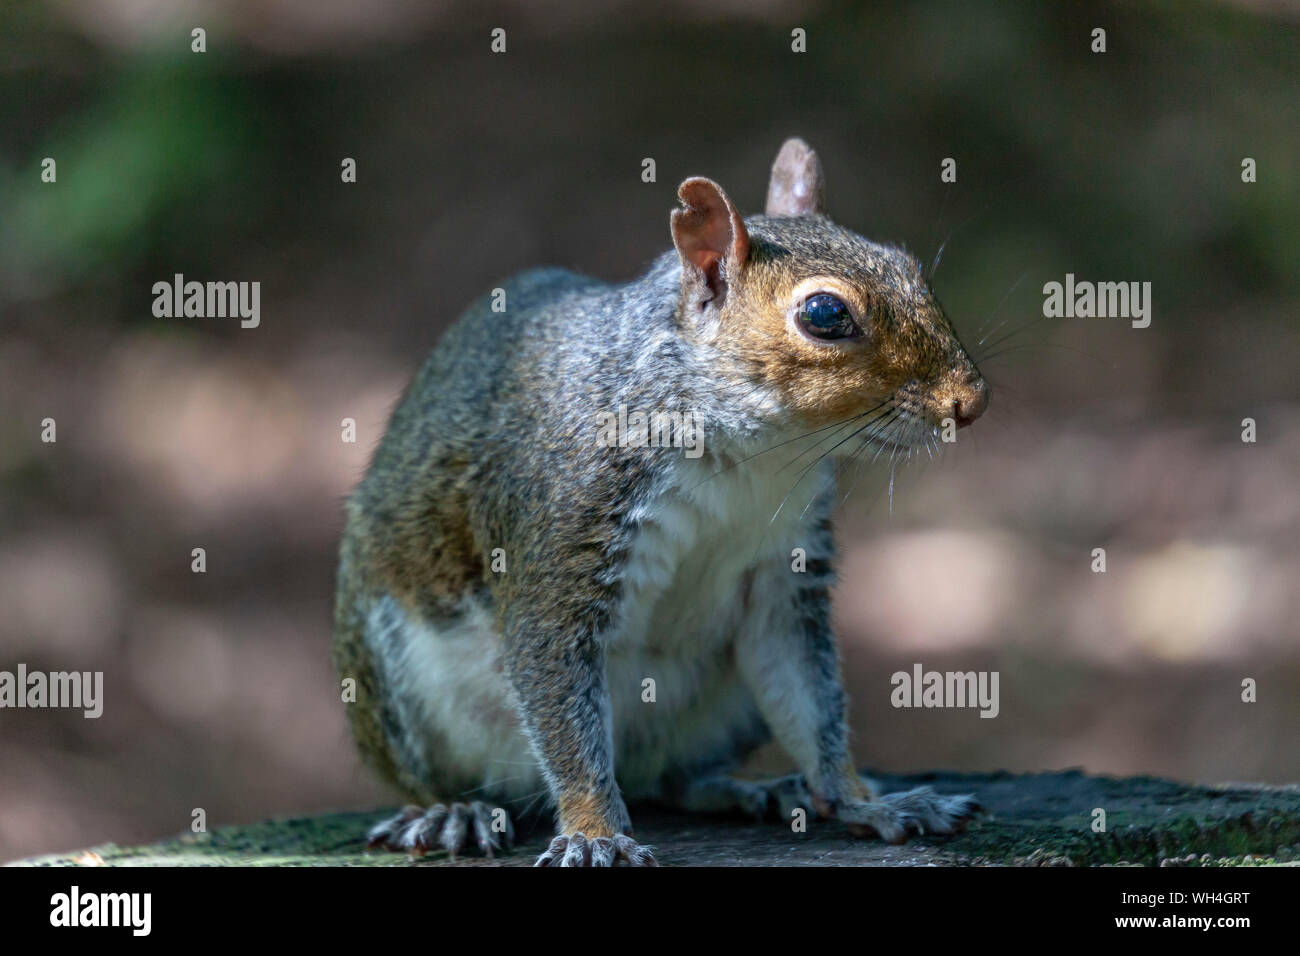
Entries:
{"x":688,"y":594}
{"x":686,"y":579}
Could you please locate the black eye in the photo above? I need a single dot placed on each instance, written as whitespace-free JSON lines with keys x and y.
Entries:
{"x":826,"y":317}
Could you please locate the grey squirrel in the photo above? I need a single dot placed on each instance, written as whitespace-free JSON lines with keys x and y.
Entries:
{"x":511,"y":581}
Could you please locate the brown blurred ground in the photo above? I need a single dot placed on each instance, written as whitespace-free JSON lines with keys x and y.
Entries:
{"x":175,"y":434}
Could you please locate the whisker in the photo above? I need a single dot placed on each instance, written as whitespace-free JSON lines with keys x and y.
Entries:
{"x":856,"y":418}
{"x":891,"y":479}
{"x":876,"y":428}
{"x":782,"y":444}
{"x":493,"y":783}
{"x":951,"y":232}
{"x":1012,"y":334}
{"x":1047,"y":345}
{"x":535,"y":798}
{"x":799,"y":479}
{"x":1003,"y":301}
{"x":854,"y":460}
{"x":934,"y":264}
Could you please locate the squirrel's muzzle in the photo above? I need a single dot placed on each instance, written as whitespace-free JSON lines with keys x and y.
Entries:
{"x":969,"y":400}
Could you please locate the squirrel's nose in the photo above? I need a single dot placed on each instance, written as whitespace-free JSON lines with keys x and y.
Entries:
{"x":970,"y":403}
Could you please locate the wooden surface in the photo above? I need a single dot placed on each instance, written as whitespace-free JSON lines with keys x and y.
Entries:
{"x":1037,"y":819}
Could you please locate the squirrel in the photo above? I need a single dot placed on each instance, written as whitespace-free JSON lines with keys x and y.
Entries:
{"x":531,"y":610}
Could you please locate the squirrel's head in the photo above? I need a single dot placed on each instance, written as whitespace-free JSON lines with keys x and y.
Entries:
{"x":833,"y":326}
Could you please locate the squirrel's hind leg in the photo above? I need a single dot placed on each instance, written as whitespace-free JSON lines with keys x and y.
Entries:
{"x":894,"y":816}
{"x":721,"y":795}
{"x":458,"y":828}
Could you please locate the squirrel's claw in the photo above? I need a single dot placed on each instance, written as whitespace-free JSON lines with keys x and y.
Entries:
{"x":385,"y":831}
{"x":577,"y":850}
{"x":456,"y":829}
{"x":896,"y":816}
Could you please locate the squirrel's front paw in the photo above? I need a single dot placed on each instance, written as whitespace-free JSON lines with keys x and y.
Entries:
{"x":896,"y":816}
{"x":576,"y":850}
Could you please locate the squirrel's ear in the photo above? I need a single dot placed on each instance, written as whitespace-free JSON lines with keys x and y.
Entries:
{"x":797,"y":187}
{"x":711,"y":239}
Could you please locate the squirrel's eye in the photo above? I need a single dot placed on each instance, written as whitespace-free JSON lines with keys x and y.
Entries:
{"x":826,"y":317}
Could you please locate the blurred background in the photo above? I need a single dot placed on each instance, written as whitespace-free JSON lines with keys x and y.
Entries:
{"x":182,"y":433}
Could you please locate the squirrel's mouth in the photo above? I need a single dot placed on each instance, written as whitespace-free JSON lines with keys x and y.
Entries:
{"x":921,"y":416}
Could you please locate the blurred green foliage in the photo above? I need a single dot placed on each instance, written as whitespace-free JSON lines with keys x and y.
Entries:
{"x":1124,"y":164}
{"x":157,"y":137}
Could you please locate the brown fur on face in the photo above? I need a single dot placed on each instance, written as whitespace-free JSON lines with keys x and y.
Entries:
{"x":909,"y":351}
{"x":744,"y":282}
